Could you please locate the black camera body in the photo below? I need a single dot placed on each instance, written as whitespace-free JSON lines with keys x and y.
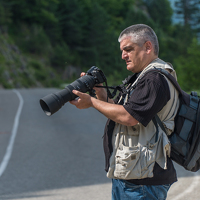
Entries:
{"x":98,"y":75}
{"x":53,"y":102}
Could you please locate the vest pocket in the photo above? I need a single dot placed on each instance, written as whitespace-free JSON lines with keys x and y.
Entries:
{"x":126,"y":159}
{"x":135,"y":162}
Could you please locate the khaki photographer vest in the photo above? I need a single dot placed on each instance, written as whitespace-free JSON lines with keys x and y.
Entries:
{"x":135,"y":150}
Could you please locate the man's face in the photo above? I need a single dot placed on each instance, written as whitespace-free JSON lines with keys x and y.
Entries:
{"x":134,"y":55}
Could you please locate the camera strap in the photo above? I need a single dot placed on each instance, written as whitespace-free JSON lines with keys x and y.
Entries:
{"x":115,"y":88}
{"x":124,"y":88}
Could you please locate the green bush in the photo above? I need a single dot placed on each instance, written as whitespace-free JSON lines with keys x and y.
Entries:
{"x":38,"y":70}
{"x":45,"y":75}
{"x":187,"y":67}
{"x":61,"y":56}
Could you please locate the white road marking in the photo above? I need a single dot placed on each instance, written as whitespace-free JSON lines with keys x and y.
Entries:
{"x":9,"y":149}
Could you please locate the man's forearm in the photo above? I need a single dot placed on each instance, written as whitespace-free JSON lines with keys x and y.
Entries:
{"x":114,"y":112}
{"x":102,"y":95}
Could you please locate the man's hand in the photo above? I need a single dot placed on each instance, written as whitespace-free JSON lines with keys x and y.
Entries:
{"x":84,"y":100}
{"x":101,"y":93}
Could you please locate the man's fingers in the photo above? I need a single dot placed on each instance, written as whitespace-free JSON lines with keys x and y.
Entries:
{"x":83,"y":102}
{"x":83,"y":74}
{"x":73,"y":102}
{"x":76,"y":92}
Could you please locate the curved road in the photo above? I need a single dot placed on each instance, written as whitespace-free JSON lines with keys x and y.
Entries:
{"x":59,"y":157}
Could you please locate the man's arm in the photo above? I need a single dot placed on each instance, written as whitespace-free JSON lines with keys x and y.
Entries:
{"x":112,"y":111}
{"x":101,"y":94}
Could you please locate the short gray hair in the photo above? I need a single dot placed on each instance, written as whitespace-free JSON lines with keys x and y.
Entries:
{"x":140,"y":34}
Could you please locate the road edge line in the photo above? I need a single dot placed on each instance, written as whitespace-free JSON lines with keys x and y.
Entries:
{"x":9,"y":149}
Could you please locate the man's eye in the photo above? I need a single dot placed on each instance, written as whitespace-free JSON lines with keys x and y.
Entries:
{"x":129,"y":49}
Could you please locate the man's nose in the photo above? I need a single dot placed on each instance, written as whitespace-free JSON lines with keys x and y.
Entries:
{"x":124,"y":55}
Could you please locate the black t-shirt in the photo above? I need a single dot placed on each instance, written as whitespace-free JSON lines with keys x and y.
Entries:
{"x":149,"y":97}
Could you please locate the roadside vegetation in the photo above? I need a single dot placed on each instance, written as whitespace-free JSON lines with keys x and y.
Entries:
{"x":46,"y":43}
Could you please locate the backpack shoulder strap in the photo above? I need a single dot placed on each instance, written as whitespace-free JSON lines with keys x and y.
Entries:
{"x":169,"y":76}
{"x":188,"y":112}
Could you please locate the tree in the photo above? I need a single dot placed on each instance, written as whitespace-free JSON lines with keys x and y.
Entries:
{"x":34,"y":11}
{"x":187,"y":68}
{"x":72,"y":19}
{"x":160,"y":12}
{"x":5,"y":14}
{"x":189,"y":11}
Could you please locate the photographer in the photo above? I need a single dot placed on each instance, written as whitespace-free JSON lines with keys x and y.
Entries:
{"x":137,"y":160}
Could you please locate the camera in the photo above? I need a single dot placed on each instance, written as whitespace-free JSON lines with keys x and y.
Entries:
{"x":53,"y":102}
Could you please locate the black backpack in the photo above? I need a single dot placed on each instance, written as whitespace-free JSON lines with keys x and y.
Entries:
{"x":185,"y":140}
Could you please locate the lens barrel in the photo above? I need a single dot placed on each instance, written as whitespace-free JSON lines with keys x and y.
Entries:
{"x":53,"y":102}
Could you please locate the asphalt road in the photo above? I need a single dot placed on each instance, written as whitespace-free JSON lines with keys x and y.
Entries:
{"x":59,"y":157}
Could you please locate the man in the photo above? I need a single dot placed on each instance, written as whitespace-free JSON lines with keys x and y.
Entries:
{"x":136,"y":152}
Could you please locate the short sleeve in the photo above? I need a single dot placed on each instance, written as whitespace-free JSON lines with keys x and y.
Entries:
{"x":149,"y":97}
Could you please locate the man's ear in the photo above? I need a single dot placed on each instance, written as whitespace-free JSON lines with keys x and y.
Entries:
{"x":149,"y":47}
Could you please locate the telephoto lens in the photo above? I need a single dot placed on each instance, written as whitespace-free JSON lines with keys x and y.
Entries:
{"x":53,"y":102}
